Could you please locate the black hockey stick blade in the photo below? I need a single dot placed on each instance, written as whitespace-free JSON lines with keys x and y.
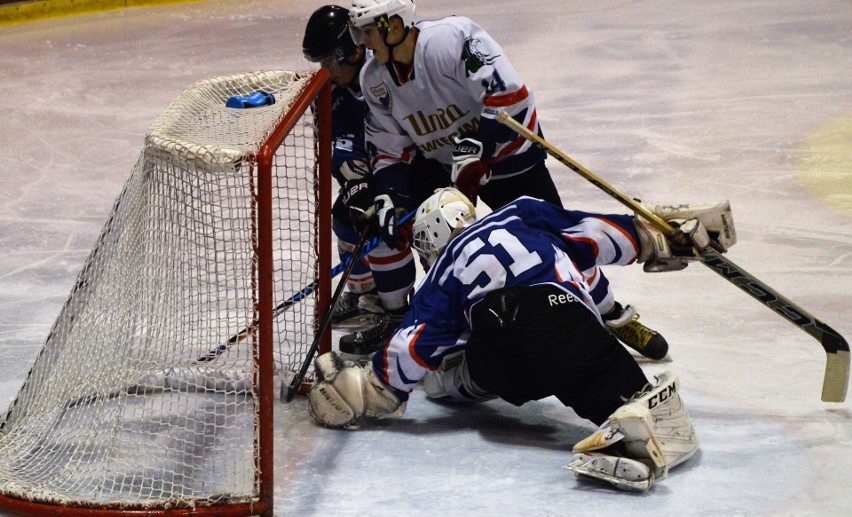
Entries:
{"x":836,"y":380}
{"x":293,"y":388}
{"x":362,"y":248}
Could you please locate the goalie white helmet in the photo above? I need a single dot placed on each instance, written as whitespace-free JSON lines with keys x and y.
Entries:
{"x":365,"y":12}
{"x":440,"y":218}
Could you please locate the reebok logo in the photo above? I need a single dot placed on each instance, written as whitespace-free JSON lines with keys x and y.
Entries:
{"x":560,"y":299}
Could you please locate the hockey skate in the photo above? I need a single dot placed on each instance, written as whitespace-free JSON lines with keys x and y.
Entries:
{"x":363,"y":343}
{"x":350,"y":305}
{"x":652,"y":429}
{"x":623,"y":323}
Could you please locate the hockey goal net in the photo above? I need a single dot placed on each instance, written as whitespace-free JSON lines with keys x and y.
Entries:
{"x":154,"y":389}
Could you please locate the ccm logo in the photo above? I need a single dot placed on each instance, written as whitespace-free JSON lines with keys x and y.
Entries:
{"x":662,"y":396}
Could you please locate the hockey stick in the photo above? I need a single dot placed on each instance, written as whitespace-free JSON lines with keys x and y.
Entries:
{"x":289,"y":302}
{"x":836,"y":380}
{"x":326,"y":319}
{"x":300,"y":376}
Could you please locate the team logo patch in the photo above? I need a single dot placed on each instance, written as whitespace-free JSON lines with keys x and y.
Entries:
{"x":382,"y":22}
{"x":382,"y":92}
{"x":473,"y":58}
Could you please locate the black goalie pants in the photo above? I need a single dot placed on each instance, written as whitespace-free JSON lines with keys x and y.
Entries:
{"x":532,"y":342}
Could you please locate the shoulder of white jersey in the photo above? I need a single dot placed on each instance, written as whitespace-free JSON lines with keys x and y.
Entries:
{"x":445,"y":30}
{"x":371,"y":78}
{"x":447,"y":21}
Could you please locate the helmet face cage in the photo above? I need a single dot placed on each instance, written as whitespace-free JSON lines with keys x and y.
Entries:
{"x":439,"y":219}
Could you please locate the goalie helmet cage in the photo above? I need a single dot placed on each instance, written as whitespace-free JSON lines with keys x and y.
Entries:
{"x":153,"y":393}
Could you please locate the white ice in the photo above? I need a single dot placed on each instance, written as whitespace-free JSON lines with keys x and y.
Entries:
{"x":668,"y":101}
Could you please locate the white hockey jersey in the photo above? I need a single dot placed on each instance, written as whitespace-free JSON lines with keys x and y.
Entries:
{"x":459,"y":80}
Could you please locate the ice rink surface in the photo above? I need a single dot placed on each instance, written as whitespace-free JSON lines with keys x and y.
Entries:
{"x":668,"y":101}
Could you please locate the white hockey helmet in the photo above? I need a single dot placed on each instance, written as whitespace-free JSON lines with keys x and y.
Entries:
{"x":365,"y":12}
{"x":438,"y":219}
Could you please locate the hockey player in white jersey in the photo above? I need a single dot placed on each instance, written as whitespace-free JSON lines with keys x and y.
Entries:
{"x":506,"y":310}
{"x":433,"y":90}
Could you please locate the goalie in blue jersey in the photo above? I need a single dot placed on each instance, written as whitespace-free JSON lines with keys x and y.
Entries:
{"x":506,"y":311}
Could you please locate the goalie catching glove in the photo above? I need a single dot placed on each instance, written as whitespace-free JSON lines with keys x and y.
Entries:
{"x":346,"y":392}
{"x":696,"y":228}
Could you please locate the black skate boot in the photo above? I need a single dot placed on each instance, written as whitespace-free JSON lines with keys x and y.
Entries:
{"x":367,"y":341}
{"x":623,"y":323}
{"x":352,"y":304}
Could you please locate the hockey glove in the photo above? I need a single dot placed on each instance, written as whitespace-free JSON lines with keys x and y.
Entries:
{"x":346,"y":392}
{"x":395,"y":235}
{"x":697,"y":227}
{"x":354,"y":170}
{"x":661,"y":253}
{"x":358,"y":197}
{"x":469,"y":172}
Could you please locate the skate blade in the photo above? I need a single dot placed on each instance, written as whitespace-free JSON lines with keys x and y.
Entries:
{"x":357,"y":322}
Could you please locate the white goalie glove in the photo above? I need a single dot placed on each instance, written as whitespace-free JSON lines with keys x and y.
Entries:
{"x":654,"y":432}
{"x":699,"y":227}
{"x":346,"y":392}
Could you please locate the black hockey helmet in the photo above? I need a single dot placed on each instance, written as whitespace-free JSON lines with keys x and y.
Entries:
{"x":327,"y":34}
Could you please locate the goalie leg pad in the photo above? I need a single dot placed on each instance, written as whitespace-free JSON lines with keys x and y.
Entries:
{"x":656,"y":425}
{"x":452,"y":380}
{"x":622,"y":473}
{"x":653,"y":427}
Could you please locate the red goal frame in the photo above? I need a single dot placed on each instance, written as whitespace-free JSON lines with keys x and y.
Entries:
{"x":317,"y":93}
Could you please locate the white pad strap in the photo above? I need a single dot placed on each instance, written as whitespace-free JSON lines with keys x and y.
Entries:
{"x":452,"y":379}
{"x":622,"y":473}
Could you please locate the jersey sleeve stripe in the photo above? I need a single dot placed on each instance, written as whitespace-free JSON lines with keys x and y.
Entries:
{"x":585,"y":240}
{"x":501,"y":101}
{"x":517,"y":143}
{"x":627,"y":236}
{"x":412,"y":350}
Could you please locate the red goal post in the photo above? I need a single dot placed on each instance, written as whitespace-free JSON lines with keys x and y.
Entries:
{"x":154,"y":391}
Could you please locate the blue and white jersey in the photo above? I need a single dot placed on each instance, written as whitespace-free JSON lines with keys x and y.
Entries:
{"x":528,"y":242}
{"x":348,"y":111}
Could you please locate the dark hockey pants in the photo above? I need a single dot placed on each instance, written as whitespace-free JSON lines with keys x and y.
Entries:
{"x":532,"y":342}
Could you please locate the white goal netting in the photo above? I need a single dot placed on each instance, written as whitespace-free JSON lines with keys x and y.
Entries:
{"x":144,"y":394}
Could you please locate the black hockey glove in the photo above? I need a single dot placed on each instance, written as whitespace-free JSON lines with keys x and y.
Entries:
{"x":395,"y":235}
{"x":469,"y":172}
{"x":358,"y":197}
{"x":354,"y":169}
